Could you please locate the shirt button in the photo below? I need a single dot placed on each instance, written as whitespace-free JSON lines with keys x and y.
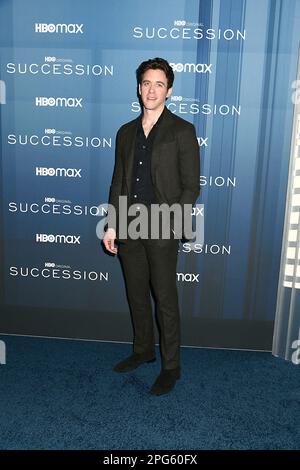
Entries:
{"x":144,"y":146}
{"x":140,"y":163}
{"x":135,"y":195}
{"x":138,"y":179}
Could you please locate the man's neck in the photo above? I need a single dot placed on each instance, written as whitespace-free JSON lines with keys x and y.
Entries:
{"x":151,"y":116}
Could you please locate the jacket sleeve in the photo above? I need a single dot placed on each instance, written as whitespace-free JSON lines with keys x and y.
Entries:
{"x":116,"y":184}
{"x":189,"y":165}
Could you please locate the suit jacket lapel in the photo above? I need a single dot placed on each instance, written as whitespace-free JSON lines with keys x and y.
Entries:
{"x":164,"y":134}
{"x":129,"y":148}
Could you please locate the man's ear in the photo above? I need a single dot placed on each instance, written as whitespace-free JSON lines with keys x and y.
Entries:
{"x":169,"y":93}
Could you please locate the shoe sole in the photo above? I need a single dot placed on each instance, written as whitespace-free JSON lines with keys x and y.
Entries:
{"x":158,"y":393}
{"x":133,"y":368}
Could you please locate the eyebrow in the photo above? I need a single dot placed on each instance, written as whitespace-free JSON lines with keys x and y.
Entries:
{"x":157,"y":81}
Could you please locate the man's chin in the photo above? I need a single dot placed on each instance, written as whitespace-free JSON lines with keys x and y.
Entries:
{"x":152,"y":105}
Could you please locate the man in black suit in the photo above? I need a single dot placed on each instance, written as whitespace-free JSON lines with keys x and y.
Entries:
{"x":157,"y":162}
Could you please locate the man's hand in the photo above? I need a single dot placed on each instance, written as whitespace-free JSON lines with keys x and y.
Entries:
{"x":109,"y":241}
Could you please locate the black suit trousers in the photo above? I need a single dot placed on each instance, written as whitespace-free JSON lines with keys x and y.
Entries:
{"x":152,"y":264}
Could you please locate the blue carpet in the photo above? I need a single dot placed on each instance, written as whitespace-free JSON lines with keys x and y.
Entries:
{"x":60,"y":394}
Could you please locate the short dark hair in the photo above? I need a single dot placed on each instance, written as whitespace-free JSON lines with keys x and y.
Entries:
{"x":157,"y":63}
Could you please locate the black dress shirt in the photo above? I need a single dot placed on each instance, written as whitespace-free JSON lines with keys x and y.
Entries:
{"x":142,"y":190}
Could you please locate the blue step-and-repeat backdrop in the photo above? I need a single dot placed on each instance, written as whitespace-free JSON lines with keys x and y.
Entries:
{"x":68,"y":83}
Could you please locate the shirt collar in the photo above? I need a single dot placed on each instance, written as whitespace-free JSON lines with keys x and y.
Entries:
{"x":158,"y":120}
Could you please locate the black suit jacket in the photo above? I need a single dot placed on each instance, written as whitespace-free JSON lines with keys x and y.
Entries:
{"x":175,"y":162}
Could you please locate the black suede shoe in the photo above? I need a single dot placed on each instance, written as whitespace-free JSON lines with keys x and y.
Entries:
{"x":165,"y":382}
{"x":132,"y":362}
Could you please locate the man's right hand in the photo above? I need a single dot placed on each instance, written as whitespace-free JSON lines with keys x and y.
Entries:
{"x":109,"y":241}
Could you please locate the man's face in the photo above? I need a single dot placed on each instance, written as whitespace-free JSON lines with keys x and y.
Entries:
{"x":154,"y":89}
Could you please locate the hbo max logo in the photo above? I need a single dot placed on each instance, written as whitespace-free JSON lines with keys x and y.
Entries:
{"x":69,"y":239}
{"x":176,"y":98}
{"x":187,"y":277}
{"x":66,"y":172}
{"x":58,"y":102}
{"x":191,"y":67}
{"x":58,"y":28}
